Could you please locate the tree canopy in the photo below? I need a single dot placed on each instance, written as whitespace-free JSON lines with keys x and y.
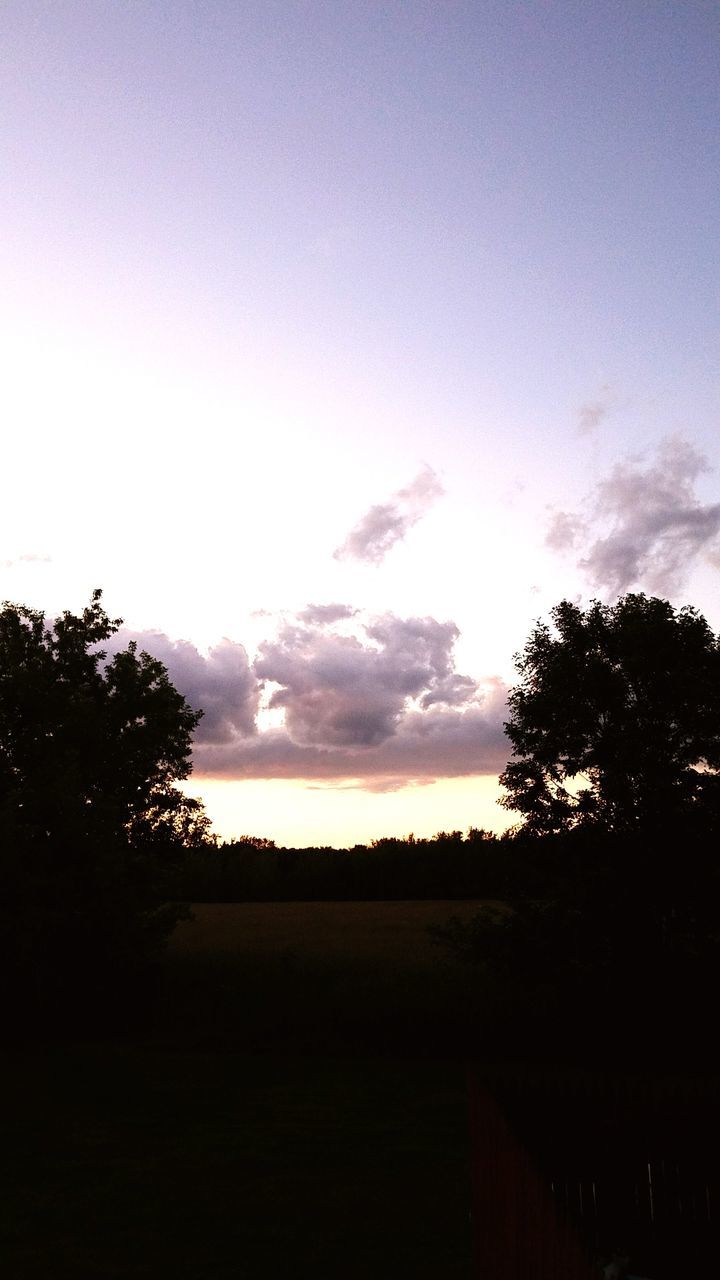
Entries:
{"x":91,"y":750}
{"x":616,"y":719}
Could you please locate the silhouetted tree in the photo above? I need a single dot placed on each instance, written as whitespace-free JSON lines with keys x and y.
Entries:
{"x":90,"y":753}
{"x":615,"y":727}
{"x":616,"y":720}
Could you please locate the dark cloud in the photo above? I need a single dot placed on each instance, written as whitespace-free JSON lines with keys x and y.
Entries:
{"x":426,"y":745}
{"x":222,"y":684}
{"x":655,"y":528}
{"x":383,"y":707}
{"x":387,"y":523}
{"x":341,"y":691}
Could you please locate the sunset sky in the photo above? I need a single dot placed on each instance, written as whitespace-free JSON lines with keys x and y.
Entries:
{"x":341,"y":339}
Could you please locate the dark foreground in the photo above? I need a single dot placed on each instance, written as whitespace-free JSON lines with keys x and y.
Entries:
{"x":143,"y":1163}
{"x":301,"y":1104}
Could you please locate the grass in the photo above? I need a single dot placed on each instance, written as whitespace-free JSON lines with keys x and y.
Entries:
{"x":293,"y":1111}
{"x":323,"y":974}
{"x":374,"y":933}
{"x":135,"y":1162}
{"x":298,"y":1108}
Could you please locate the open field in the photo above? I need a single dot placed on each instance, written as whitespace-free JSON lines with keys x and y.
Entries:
{"x":275,"y":1119}
{"x":318,"y":974}
{"x":298,"y":1107}
{"x":385,"y":933}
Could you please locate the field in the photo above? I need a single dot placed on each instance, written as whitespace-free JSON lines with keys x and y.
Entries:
{"x":385,"y":933}
{"x":299,"y":1106}
{"x":293,"y":1110}
{"x":318,"y":973}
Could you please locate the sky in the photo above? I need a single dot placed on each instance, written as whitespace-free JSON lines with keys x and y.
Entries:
{"x":340,"y":341}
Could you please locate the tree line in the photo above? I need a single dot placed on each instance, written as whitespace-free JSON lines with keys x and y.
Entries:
{"x":449,"y":865}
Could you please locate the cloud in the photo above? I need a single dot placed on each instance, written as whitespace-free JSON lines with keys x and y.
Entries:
{"x":387,"y":523}
{"x":384,"y":705}
{"x":382,"y":708}
{"x":645,"y":526}
{"x":564,"y":531}
{"x":341,"y":691}
{"x":222,"y":684}
{"x":439,"y":743}
{"x":591,"y":414}
{"x":323,"y":614}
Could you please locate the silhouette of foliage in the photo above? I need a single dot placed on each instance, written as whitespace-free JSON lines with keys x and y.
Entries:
{"x":446,"y":866}
{"x":613,"y":940}
{"x":90,"y":816}
{"x":616,"y":720}
{"x":615,"y":727}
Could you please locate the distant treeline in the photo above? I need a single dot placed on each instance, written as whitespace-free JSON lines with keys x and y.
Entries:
{"x":579,"y":865}
{"x":448,"y":865}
